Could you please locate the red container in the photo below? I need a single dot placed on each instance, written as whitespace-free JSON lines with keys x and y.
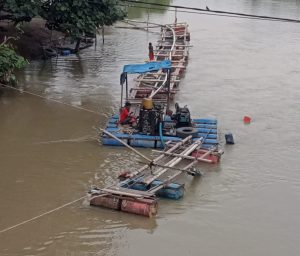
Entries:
{"x":145,"y":207}
{"x":110,"y":202}
{"x":211,"y":157}
{"x":179,"y":28}
{"x":247,"y":119}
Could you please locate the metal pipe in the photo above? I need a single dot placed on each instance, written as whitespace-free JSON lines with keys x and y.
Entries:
{"x":155,"y":160}
{"x":126,"y":78}
{"x":174,"y":161}
{"x":186,"y":157}
{"x":121,"y":96}
{"x":169,"y":85}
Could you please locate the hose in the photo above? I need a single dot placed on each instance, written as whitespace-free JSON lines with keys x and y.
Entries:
{"x":161,"y":135}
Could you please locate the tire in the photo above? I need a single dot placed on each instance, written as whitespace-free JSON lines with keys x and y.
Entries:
{"x":184,"y":132}
{"x":49,"y":52}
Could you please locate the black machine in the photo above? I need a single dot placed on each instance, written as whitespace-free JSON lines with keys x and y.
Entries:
{"x":149,"y":120}
{"x":182,"y":117}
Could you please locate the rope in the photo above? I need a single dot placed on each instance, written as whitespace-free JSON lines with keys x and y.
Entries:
{"x":57,"y":101}
{"x":39,"y":216}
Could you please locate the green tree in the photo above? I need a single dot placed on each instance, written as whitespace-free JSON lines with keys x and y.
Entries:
{"x":9,"y":62}
{"x":79,"y":17}
{"x":19,"y":10}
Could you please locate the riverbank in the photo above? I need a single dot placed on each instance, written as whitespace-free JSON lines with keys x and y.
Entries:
{"x":30,"y":39}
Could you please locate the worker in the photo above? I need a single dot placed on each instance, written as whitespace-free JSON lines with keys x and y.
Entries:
{"x":125,"y":116}
{"x":151,"y":53}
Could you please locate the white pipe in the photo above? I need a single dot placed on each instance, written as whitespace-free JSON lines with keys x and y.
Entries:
{"x":170,"y":58}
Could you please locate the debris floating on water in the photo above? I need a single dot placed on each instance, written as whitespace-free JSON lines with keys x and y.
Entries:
{"x":229,"y":138}
{"x":247,"y":119}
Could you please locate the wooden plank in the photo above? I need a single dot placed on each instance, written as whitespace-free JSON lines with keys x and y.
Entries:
{"x":127,"y":192}
{"x":173,"y":162}
{"x":167,"y":55}
{"x":185,"y":157}
{"x":139,"y":100}
{"x":168,"y":50}
{"x":153,"y":80}
{"x":170,"y":150}
{"x":178,"y":66}
{"x":177,"y":45}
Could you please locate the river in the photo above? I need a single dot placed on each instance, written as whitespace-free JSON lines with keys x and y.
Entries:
{"x":249,"y":204}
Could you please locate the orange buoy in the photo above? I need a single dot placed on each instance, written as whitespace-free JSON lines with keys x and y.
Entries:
{"x":247,"y":119}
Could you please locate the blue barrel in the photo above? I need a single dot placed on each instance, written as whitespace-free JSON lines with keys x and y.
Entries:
{"x":66,"y":52}
{"x":172,"y":191}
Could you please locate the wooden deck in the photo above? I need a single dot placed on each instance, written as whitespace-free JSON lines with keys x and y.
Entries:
{"x":173,"y":45}
{"x":151,"y":180}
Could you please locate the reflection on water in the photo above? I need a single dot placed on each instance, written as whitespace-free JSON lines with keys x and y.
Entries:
{"x":142,"y":9}
{"x":247,"y":204}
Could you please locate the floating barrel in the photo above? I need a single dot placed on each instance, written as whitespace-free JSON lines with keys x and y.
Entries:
{"x":139,"y":186}
{"x":110,"y":202}
{"x":66,"y":52}
{"x":171,"y":191}
{"x":145,"y":207}
{"x":229,"y":138}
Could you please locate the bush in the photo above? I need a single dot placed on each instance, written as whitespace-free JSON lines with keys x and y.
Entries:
{"x":9,"y":61}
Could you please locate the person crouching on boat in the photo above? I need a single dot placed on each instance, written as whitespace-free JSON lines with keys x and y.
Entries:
{"x":126,"y":117}
{"x":151,"y":53}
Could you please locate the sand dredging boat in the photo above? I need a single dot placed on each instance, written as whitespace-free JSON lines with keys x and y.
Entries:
{"x":152,"y":96}
{"x":186,"y":141}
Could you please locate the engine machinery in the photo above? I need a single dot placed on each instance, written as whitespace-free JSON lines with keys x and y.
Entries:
{"x":151,"y":116}
{"x":182,"y":117}
{"x":149,"y":119}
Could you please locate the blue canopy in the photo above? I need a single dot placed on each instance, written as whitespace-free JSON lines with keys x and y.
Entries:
{"x":148,"y":67}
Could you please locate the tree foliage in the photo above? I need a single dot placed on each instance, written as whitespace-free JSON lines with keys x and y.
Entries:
{"x":20,"y":10}
{"x":77,"y":17}
{"x":9,"y":62}
{"x":74,"y":17}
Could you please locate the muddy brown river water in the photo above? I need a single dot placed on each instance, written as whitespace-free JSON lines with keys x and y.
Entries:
{"x":249,"y":204}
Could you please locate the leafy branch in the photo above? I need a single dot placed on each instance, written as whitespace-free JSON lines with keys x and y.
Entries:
{"x":9,"y":61}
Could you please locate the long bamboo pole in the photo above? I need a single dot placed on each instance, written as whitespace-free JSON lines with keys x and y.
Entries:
{"x":170,"y":163}
{"x":185,"y":157}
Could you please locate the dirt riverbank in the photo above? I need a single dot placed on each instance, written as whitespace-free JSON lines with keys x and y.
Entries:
{"x":30,"y":39}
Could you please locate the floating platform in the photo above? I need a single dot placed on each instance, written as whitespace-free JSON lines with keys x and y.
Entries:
{"x":185,"y":141}
{"x":206,"y":128}
{"x":159,"y":87}
{"x":138,"y":191}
